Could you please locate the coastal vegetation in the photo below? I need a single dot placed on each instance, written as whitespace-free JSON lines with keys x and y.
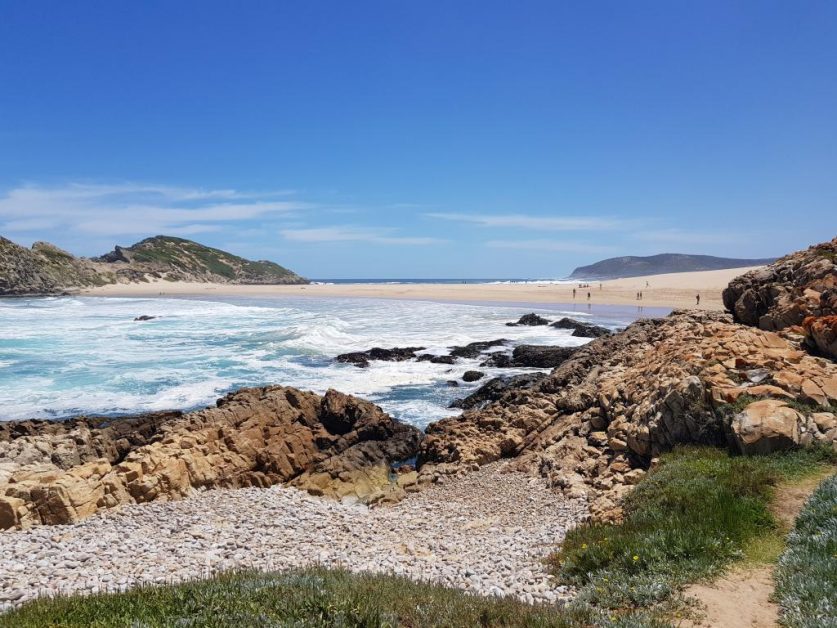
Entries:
{"x":806,"y":576}
{"x":698,"y":512}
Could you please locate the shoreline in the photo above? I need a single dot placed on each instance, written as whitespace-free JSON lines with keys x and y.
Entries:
{"x":674,"y":290}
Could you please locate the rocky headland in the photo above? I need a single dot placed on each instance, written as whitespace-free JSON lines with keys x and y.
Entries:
{"x":45,"y":269}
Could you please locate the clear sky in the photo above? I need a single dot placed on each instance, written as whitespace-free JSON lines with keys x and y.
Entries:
{"x":398,"y":138}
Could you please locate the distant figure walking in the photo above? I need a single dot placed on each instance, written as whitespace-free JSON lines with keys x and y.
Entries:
{"x":588,"y":296}
{"x":573,"y":293}
{"x":697,"y":299}
{"x":647,"y":285}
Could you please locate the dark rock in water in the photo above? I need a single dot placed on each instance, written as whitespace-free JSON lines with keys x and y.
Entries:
{"x":495,"y":388}
{"x":540,"y":356}
{"x":474,"y":349}
{"x":145,"y":317}
{"x":531,"y":356}
{"x":498,"y":360}
{"x":436,"y":359}
{"x":581,"y":329}
{"x":530,"y":320}
{"x":361,"y":359}
{"x":472,"y":376}
{"x":452,"y":383}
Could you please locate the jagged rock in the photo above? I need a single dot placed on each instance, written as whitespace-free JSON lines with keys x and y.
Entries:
{"x":797,"y":288}
{"x":495,"y":388}
{"x":452,"y":383}
{"x":581,"y":329}
{"x":472,"y":376}
{"x":144,"y":317}
{"x":530,"y":356}
{"x":766,"y":426}
{"x":474,"y":349}
{"x":625,"y":398}
{"x":362,"y":358}
{"x":334,"y":445}
{"x":822,"y":335}
{"x":529,"y":320}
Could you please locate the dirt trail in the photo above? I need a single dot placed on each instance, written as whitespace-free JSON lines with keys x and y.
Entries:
{"x":741,"y":598}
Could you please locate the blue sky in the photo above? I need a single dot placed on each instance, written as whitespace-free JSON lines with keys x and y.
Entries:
{"x":421,"y":139}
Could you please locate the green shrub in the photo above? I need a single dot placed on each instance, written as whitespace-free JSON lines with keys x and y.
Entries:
{"x":310,"y":598}
{"x":806,"y":576}
{"x":696,"y":513}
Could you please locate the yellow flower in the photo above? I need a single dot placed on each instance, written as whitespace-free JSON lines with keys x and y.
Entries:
{"x":584,"y":546}
{"x":636,"y":558}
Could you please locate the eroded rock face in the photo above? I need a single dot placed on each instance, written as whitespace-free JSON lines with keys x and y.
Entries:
{"x":334,"y":445}
{"x":799,"y":288}
{"x":596,"y":422}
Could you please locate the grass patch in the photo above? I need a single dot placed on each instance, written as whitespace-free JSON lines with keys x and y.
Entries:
{"x":806,"y":576}
{"x":310,"y":598}
{"x":700,"y":510}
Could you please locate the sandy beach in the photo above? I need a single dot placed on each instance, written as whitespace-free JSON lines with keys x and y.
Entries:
{"x":676,"y":290}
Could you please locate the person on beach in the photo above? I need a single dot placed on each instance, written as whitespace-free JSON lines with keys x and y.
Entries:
{"x":573,"y":293}
{"x":588,"y":296}
{"x":697,"y":300}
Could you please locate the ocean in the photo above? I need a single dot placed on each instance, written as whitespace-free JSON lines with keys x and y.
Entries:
{"x":86,"y":355}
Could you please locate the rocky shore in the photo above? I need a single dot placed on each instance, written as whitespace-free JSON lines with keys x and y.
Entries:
{"x":492,"y":490}
{"x":334,"y":445}
{"x":487,"y":533}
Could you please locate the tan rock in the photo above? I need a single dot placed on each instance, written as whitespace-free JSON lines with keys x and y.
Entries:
{"x":765,"y":426}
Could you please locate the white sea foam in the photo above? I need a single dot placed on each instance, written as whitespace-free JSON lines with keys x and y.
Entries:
{"x":62,"y":356}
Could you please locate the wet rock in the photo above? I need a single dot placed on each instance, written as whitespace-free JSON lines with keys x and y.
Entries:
{"x":581,"y":329}
{"x":474,"y":349}
{"x":362,"y":359}
{"x":529,"y":320}
{"x":495,"y":388}
{"x":531,"y":356}
{"x":144,"y":317}
{"x":436,"y":359}
{"x":472,"y":376}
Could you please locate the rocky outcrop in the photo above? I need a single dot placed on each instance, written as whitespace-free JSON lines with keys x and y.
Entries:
{"x":475,"y":349}
{"x":334,"y":445}
{"x":495,"y":388}
{"x":531,"y":356}
{"x":529,"y":320}
{"x":581,"y":329}
{"x":363,"y":358}
{"x":595,"y":423}
{"x":798,"y":290}
{"x":45,"y":269}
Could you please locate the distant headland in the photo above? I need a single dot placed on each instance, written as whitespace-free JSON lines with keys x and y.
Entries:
{"x":664,"y":263}
{"x":46,"y":269}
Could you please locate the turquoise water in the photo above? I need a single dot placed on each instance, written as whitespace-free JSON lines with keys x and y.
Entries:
{"x":66,"y":356}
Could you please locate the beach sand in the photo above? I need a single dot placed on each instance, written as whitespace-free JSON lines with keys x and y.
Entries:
{"x":675,"y":290}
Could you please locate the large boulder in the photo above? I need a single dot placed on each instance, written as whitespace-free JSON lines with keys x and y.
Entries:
{"x":529,"y":320}
{"x":796,"y":289}
{"x":766,"y":426}
{"x":334,"y":445}
{"x":581,"y":329}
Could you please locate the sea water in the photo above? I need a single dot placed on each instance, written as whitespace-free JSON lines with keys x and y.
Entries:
{"x":84,"y":355}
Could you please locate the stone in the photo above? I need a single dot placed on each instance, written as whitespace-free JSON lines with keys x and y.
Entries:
{"x":530,"y":320}
{"x":581,"y":329}
{"x":334,"y":445}
{"x":472,"y":376}
{"x":766,"y":426}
